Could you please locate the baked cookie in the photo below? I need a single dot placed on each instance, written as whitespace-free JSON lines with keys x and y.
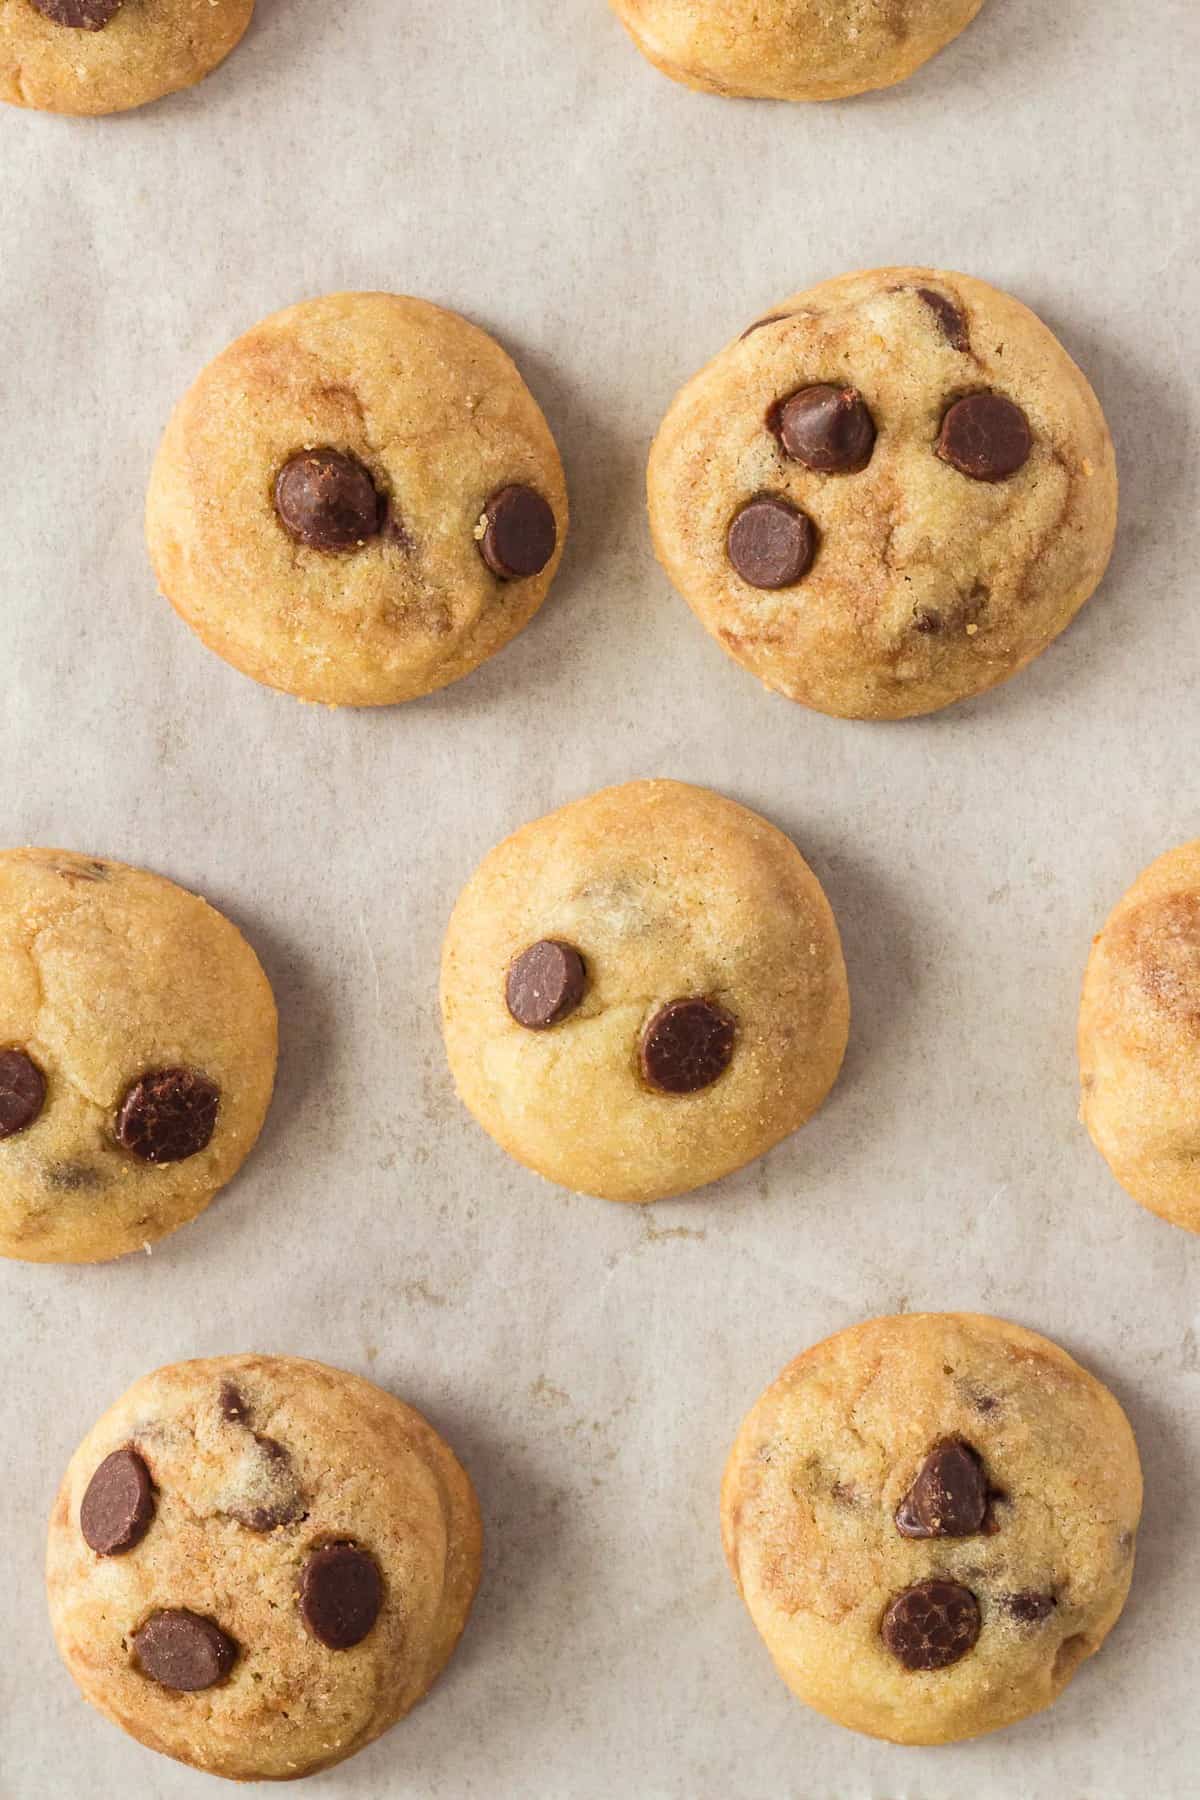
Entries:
{"x":137,"y":1056}
{"x":105,"y":56}
{"x":357,"y":502}
{"x":792,"y":49}
{"x":890,"y":493}
{"x":931,"y":1520}
{"x":1139,"y":1039}
{"x":257,"y":1564}
{"x":643,"y":991}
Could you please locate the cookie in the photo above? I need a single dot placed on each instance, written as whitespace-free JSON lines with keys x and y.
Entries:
{"x":888,"y":494}
{"x":643,"y":991}
{"x":357,"y":502}
{"x":1139,"y":1039}
{"x":137,"y":1056}
{"x":792,"y":49}
{"x":931,"y":1519}
{"x":105,"y":56}
{"x":257,"y":1564}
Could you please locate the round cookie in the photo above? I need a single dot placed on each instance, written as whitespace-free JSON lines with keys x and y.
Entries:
{"x":137,"y":1056}
{"x":256,"y":1564}
{"x":1139,"y":1039}
{"x":887,"y":495}
{"x":931,"y":1519}
{"x":357,"y":502}
{"x":792,"y":49}
{"x":643,"y":991}
{"x":105,"y":56}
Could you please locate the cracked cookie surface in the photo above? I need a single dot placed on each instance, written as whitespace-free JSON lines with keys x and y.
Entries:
{"x":643,"y":991}
{"x":357,"y":502}
{"x":105,"y":56}
{"x":973,"y":519}
{"x":137,"y":1055}
{"x":931,"y":1519}
{"x":299,"y":1575}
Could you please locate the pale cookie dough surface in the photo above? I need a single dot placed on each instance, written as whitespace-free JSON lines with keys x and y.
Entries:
{"x":666,"y":892}
{"x":257,"y":1462}
{"x":792,"y":49}
{"x":107,"y":974}
{"x":927,"y":585}
{"x":828,"y":1454}
{"x":1139,"y":1039}
{"x":148,"y":48}
{"x":438,"y":416}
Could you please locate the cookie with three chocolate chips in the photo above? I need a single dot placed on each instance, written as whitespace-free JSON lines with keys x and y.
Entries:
{"x":257,"y":1564}
{"x":931,"y":1519}
{"x":888,"y":494}
{"x":643,"y":991}
{"x":106,"y":56}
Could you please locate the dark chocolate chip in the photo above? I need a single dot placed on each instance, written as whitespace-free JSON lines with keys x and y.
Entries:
{"x":518,"y":533}
{"x":949,"y":317}
{"x":81,"y":15}
{"x":827,"y":429}
{"x":931,"y":1625}
{"x":232,"y":1403}
{"x":985,"y":436}
{"x":327,"y":500}
{"x":117,"y":1508}
{"x":771,"y":543}
{"x":687,"y":1045}
{"x":1028,"y":1607}
{"x":273,"y":1496}
{"x":341,"y":1592}
{"x":168,"y":1114}
{"x":22,"y":1092}
{"x":545,"y":983}
{"x":182,"y":1650}
{"x":949,"y":1496}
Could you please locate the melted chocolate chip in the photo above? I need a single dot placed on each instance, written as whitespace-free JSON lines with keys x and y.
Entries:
{"x":273,"y":1496}
{"x":545,"y":983}
{"x":183,"y":1651}
{"x":519,"y":533}
{"x":233,"y":1405}
{"x":985,"y":436}
{"x":1028,"y":1607}
{"x":22,"y":1092}
{"x":168,"y":1114}
{"x":931,"y":1625}
{"x":72,"y":1178}
{"x":117,"y":1508}
{"x":341,"y":1593}
{"x":827,"y":429}
{"x":686,"y":1046}
{"x":80,"y":15}
{"x":770,"y":319}
{"x":949,"y":317}
{"x":771,"y":543}
{"x":327,"y":500}
{"x":949,"y":1497}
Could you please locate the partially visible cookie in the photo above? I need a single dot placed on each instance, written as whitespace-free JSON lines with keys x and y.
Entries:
{"x":1139,"y":1039}
{"x":888,"y":494}
{"x":358,"y":501}
{"x":257,"y":1564}
{"x":643,"y":991}
{"x":931,"y":1519}
{"x":105,"y":56}
{"x":792,"y":49}
{"x":137,"y":1055}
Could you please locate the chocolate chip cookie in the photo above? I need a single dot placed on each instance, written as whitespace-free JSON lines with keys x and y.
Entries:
{"x":792,"y":49}
{"x":358,"y":502}
{"x":1139,"y":1039}
{"x":643,"y":991}
{"x":137,"y":1055}
{"x":888,"y":494}
{"x":105,"y":56}
{"x":258,"y":1564}
{"x":931,"y":1519}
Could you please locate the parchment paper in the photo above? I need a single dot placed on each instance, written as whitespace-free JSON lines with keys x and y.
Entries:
{"x":519,"y":161}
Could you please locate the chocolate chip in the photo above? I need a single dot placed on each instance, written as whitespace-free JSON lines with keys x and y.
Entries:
{"x":233,"y":1405}
{"x":545,"y":983}
{"x":771,"y":543}
{"x":687,"y":1045}
{"x":1028,"y":1607}
{"x":272,"y":1494}
{"x":117,"y":1508}
{"x":182,"y":1650}
{"x":341,"y":1592}
{"x":826,"y":428}
{"x":931,"y":1625}
{"x":949,"y":1496}
{"x":22,"y":1092}
{"x":770,"y":319}
{"x":518,"y":533}
{"x":81,"y":15}
{"x":327,"y":500}
{"x":985,"y":436}
{"x":926,"y":620}
{"x":168,"y":1114}
{"x":949,"y":317}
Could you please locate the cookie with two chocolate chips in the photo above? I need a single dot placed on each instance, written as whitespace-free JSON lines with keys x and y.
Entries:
{"x":106,"y":56}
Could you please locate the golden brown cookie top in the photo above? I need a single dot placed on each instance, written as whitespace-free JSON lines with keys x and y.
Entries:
{"x":105,"y":56}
